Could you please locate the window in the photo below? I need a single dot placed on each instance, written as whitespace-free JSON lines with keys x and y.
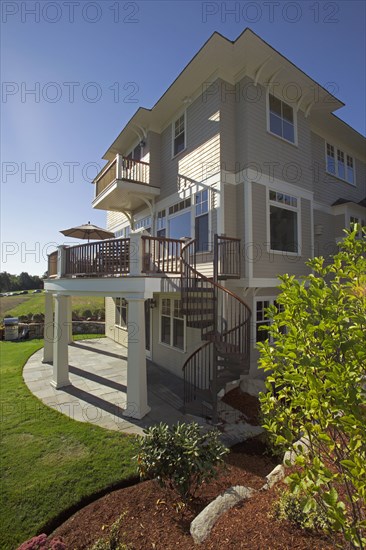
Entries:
{"x":161,"y":224}
{"x":201,"y":221}
{"x":172,"y":323}
{"x":179,"y":135}
{"x":136,"y":153}
{"x":261,"y":335}
{"x":123,"y":233}
{"x":145,"y":223}
{"x":340,"y":164}
{"x":281,"y":119}
{"x":283,"y":222}
{"x":180,"y":226}
{"x":121,"y":313}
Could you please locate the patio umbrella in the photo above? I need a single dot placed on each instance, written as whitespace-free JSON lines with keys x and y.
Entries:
{"x":88,"y":231}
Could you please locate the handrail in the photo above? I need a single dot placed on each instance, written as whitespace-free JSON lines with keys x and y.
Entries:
{"x":100,"y":258}
{"x":161,"y":255}
{"x":200,"y":370}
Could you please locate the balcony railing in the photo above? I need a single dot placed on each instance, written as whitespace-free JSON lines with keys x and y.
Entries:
{"x":52,"y":264}
{"x":99,"y":259}
{"x":123,"y":168}
{"x":161,"y":255}
{"x":115,"y":257}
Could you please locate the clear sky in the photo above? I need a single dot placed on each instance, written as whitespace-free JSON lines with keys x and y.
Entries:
{"x":91,"y":64}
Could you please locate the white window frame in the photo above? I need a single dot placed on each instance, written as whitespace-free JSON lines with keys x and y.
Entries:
{"x":184,"y":114}
{"x":336,"y":175}
{"x":272,"y":301}
{"x":119,"y":304}
{"x":208,"y":213}
{"x":296,"y":209}
{"x":171,"y":346}
{"x":295,"y":142}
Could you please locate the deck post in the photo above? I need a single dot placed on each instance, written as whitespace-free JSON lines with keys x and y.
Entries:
{"x":48,"y":329}
{"x":61,"y":339}
{"x":136,"y":406}
{"x":136,"y":251}
{"x":61,"y":261}
{"x":69,"y":318}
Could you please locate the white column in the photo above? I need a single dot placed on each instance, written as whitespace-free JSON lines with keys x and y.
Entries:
{"x":48,"y":329}
{"x":60,"y":346}
{"x":137,"y":405}
{"x":69,"y":318}
{"x":61,"y":261}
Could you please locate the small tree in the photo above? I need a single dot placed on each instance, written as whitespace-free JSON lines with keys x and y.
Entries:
{"x":180,"y":456}
{"x":316,"y":359}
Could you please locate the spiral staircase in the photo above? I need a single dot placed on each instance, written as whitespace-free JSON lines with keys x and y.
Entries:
{"x":224,"y":321}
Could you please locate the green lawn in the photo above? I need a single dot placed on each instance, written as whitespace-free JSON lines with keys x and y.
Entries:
{"x":34,"y":303}
{"x":48,"y":461}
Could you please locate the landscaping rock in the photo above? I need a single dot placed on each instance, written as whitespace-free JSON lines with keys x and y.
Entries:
{"x":274,"y":477}
{"x":300,"y":447}
{"x":201,"y":526}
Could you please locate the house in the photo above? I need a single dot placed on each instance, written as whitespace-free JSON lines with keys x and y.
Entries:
{"x":240,"y":172}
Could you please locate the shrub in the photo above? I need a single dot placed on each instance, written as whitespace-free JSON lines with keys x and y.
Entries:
{"x":87,"y":314}
{"x":180,"y":456}
{"x":41,"y":542}
{"x":316,"y":384}
{"x":291,"y":507}
{"x":113,"y":540}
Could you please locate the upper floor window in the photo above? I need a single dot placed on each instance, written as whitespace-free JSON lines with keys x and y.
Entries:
{"x":283,"y":222}
{"x":201,"y":221}
{"x":136,"y":153}
{"x":340,"y":164}
{"x":179,"y":222}
{"x":281,"y":119}
{"x":179,"y":140}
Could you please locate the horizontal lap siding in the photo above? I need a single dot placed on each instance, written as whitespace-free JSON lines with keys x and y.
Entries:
{"x":201,"y":159}
{"x":268,"y":265}
{"x":324,"y":243}
{"x":264,"y":152}
{"x":327,"y":188}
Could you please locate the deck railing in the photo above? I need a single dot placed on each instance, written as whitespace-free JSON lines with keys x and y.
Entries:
{"x":161,"y":255}
{"x":110,"y":257}
{"x":52,"y":264}
{"x":123,"y":168}
{"x":227,"y":252}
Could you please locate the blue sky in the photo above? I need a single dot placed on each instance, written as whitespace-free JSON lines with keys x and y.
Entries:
{"x":92,"y":64}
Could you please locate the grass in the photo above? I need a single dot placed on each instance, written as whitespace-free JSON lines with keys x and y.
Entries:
{"x":48,"y":461}
{"x":34,"y":303}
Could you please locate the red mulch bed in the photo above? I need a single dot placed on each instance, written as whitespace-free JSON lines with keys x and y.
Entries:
{"x":245,"y":403}
{"x":153,"y":522}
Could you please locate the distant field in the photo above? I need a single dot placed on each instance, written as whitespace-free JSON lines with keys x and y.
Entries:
{"x":34,"y":303}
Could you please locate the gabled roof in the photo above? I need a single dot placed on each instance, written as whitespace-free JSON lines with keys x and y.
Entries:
{"x":230,"y":60}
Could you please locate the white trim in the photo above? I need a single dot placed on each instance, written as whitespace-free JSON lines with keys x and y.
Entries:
{"x":271,"y":299}
{"x":248,"y":228}
{"x":172,"y":297}
{"x":182,"y":113}
{"x":344,"y":151}
{"x":294,"y":113}
{"x":296,"y":209}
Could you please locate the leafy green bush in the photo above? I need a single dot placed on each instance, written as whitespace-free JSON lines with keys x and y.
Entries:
{"x":316,"y":385}
{"x":291,"y":507}
{"x":180,"y":456}
{"x":87,"y":313}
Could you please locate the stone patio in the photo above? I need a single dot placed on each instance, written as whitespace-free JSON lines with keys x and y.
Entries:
{"x":97,"y":394}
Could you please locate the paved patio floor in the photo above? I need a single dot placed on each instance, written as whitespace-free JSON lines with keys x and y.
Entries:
{"x":97,"y":394}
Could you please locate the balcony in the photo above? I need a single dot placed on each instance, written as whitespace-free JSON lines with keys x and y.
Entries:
{"x":124,"y":185}
{"x":117,"y":258}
